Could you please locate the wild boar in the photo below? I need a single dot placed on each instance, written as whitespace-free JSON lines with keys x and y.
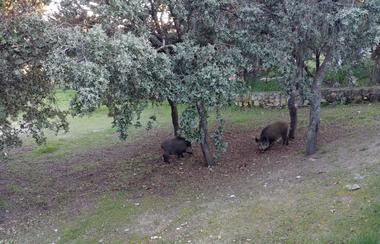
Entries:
{"x":176,"y":146}
{"x":271,"y":133}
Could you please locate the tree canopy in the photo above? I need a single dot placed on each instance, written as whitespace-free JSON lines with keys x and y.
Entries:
{"x":185,"y":61}
{"x":26,"y":92}
{"x":125,"y":54}
{"x":122,"y":72}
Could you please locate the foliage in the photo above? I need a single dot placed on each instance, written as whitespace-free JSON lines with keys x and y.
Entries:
{"x":26,"y":101}
{"x":124,"y":54}
{"x":304,"y":27}
{"x":122,"y":72}
{"x":192,"y":62}
{"x":264,"y":86}
{"x":341,"y":75}
{"x":203,"y":72}
{"x":296,"y":31}
{"x":20,"y":7}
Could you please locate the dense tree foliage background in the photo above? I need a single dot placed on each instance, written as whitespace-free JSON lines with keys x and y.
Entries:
{"x":26,"y":92}
{"x":125,"y":54}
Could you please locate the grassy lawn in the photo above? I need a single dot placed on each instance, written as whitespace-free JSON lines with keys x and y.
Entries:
{"x":69,"y":191}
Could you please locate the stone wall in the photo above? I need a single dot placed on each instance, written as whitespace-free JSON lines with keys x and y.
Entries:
{"x":329,"y":95}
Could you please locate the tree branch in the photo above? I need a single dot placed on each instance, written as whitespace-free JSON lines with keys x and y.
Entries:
{"x":320,"y":74}
{"x":166,"y":46}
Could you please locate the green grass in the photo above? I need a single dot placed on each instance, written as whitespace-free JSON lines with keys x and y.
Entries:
{"x":301,"y":215}
{"x":48,"y":148}
{"x":365,"y":239}
{"x":111,"y":214}
{"x":114,"y":219}
{"x":63,"y":98}
{"x":92,"y":131}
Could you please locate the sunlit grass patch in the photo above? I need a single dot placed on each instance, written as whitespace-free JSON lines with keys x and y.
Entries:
{"x":110,"y":215}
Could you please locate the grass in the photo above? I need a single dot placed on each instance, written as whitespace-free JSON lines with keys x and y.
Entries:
{"x":110,"y":214}
{"x":301,"y":214}
{"x":92,"y":131}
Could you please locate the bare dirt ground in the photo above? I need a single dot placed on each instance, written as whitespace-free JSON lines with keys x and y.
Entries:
{"x":244,"y":177}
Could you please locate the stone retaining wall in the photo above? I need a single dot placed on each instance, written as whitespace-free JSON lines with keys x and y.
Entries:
{"x":329,"y":95}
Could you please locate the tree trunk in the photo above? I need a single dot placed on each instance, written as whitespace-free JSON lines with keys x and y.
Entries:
{"x":175,"y":123}
{"x":317,"y":60}
{"x":376,"y":67}
{"x":204,"y":134}
{"x":293,"y":92}
{"x":315,"y":104}
{"x":293,"y":115}
{"x":314,"y":120}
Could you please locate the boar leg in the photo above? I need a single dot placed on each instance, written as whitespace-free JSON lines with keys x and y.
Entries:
{"x":180,"y":155}
{"x":285,"y":139}
{"x":166,"y":158}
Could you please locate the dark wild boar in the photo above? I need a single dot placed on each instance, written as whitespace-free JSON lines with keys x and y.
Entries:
{"x":271,"y":134}
{"x":176,"y":146}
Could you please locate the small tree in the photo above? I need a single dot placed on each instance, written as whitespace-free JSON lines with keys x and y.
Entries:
{"x":299,"y":29}
{"x":191,"y":67}
{"x":138,"y":17}
{"x":203,"y":72}
{"x":337,"y":29}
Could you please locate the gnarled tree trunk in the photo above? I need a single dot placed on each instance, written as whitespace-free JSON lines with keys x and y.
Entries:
{"x":317,"y":60}
{"x":174,"y":114}
{"x":376,"y":67}
{"x":293,"y":115}
{"x":315,"y":104}
{"x":204,"y":134}
{"x":314,"y":120}
{"x":300,"y":73}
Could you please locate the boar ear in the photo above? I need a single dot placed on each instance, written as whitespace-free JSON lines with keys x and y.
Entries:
{"x":257,"y":140}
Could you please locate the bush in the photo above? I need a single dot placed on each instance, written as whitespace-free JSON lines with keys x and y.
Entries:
{"x":264,"y":86}
{"x":362,"y":71}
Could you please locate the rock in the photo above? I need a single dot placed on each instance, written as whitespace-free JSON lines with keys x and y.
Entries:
{"x":358,"y":177}
{"x":353,"y":187}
